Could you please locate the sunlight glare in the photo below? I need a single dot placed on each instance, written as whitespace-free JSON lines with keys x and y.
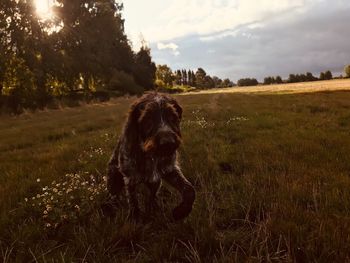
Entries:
{"x":43,"y":9}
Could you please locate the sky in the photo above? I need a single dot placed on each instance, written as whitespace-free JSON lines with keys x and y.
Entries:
{"x":243,"y":38}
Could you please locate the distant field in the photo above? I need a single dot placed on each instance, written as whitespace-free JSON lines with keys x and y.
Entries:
{"x":303,"y":87}
{"x":271,"y":170}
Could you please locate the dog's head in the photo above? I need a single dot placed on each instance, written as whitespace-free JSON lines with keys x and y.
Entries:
{"x":156,"y":120}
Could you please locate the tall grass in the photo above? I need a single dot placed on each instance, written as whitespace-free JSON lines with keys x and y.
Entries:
{"x":271,"y":174}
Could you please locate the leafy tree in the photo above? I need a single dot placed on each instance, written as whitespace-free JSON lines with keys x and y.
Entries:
{"x":247,"y":82}
{"x":322,"y":76}
{"x":165,"y":74}
{"x":192,"y":78}
{"x":302,"y":78}
{"x":217,"y":82}
{"x":178,"y":77}
{"x":145,"y":69}
{"x":268,"y":80}
{"x":84,"y":49}
{"x":328,"y":75}
{"x":274,"y":80}
{"x":279,"y":80}
{"x":19,"y":81}
{"x":209,"y":83}
{"x":310,"y":77}
{"x":94,"y":40}
{"x":124,"y":83}
{"x":226,"y":83}
{"x":200,"y":78}
{"x":292,"y":78}
{"x":21,"y":39}
{"x":347,"y":71}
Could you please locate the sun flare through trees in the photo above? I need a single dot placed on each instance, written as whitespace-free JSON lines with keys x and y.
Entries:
{"x":44,"y":9}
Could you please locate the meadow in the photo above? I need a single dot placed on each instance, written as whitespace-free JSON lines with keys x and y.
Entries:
{"x":271,"y":169}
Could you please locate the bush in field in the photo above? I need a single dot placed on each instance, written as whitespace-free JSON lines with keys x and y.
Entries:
{"x":293,"y":78}
{"x":269,"y":80}
{"x":18,"y":85}
{"x":310,"y":77}
{"x":347,"y":71}
{"x":247,"y":82}
{"x":226,"y":83}
{"x":326,"y":75}
{"x":159,"y":84}
{"x":124,"y":82}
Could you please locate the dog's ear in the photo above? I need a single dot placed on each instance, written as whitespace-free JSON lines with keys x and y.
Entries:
{"x":177,"y":108}
{"x":132,"y":126}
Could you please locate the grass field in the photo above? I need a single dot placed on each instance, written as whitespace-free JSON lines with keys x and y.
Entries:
{"x":289,"y":88}
{"x":271,"y":170}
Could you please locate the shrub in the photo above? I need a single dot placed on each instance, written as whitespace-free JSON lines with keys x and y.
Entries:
{"x":124,"y":82}
{"x":247,"y":82}
{"x":347,"y":71}
{"x":101,"y":95}
{"x":19,"y":88}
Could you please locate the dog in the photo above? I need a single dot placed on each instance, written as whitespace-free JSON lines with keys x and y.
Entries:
{"x":146,"y":152}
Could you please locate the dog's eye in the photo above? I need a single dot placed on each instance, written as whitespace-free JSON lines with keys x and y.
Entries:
{"x":147,"y":124}
{"x":172,"y":118}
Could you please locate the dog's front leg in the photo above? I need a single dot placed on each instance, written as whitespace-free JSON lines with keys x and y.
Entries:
{"x":130,"y":190}
{"x":152,"y":204}
{"x":176,"y":179}
{"x":115,"y":180}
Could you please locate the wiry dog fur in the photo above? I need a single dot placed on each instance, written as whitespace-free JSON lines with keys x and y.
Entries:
{"x":147,"y":153}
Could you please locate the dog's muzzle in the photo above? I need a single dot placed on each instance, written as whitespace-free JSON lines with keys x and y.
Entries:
{"x":167,"y":142}
{"x":163,"y":143}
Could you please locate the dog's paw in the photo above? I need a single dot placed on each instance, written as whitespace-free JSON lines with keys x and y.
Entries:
{"x":181,"y":211}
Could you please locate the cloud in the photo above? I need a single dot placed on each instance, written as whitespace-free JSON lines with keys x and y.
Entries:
{"x":172,"y":46}
{"x":203,"y":17}
{"x":314,"y":38}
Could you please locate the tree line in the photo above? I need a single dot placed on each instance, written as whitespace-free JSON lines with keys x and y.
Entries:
{"x":293,"y":78}
{"x":81,"y":52}
{"x":166,"y":79}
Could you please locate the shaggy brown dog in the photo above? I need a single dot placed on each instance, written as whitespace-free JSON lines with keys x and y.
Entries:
{"x":147,"y":153}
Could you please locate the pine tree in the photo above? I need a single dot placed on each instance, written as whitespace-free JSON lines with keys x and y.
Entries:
{"x":184,"y":77}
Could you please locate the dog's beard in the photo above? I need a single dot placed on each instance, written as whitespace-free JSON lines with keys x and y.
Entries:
{"x":151,"y":147}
